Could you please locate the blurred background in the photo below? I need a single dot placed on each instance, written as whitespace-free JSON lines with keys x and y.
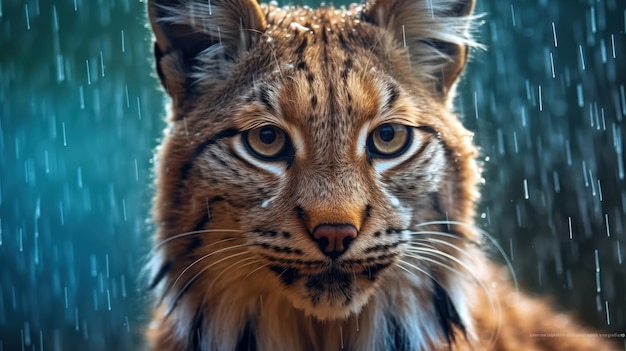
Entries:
{"x":81,"y":112}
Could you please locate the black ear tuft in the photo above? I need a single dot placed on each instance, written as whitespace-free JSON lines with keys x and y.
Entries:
{"x":201,"y":36}
{"x":436,"y":35}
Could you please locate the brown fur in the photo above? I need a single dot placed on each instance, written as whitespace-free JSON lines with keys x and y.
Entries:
{"x":235,"y":263}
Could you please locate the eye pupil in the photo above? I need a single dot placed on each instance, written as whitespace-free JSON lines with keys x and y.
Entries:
{"x":389,"y":140}
{"x":268,"y":143}
{"x":387,"y":133}
{"x":267,"y":135}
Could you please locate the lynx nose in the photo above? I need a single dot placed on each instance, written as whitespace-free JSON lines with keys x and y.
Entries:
{"x":334,"y":239}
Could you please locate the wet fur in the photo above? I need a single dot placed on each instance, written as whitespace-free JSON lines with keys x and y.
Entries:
{"x":234,"y":266}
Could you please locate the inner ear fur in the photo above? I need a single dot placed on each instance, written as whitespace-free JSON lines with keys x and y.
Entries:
{"x":201,"y":34}
{"x":436,"y":33}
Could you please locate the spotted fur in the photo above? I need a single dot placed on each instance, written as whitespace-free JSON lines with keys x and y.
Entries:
{"x":238,"y":261}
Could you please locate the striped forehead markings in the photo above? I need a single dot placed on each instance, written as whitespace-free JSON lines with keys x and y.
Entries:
{"x":266,"y":95}
{"x":392,"y":92}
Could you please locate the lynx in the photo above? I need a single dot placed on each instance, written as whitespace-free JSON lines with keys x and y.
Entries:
{"x":315,"y":190}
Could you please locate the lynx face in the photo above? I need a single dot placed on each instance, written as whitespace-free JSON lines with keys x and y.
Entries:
{"x":312,"y":161}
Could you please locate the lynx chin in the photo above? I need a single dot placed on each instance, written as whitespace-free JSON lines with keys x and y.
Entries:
{"x":315,"y":191}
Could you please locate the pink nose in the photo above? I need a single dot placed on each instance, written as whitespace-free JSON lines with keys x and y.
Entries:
{"x":334,"y":239}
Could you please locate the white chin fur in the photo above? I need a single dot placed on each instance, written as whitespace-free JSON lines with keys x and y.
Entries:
{"x":330,"y":309}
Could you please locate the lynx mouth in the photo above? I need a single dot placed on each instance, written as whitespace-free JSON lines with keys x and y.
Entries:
{"x":334,"y":292}
{"x":331,"y":276}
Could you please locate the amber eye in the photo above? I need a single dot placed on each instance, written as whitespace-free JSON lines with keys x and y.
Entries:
{"x":267,"y":142}
{"x":389,"y":140}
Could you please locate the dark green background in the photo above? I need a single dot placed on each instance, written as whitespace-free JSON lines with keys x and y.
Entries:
{"x":81,"y":112}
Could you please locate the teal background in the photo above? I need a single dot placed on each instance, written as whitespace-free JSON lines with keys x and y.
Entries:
{"x":81,"y":112}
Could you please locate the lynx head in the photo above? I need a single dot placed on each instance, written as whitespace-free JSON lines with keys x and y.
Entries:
{"x":312,"y":157}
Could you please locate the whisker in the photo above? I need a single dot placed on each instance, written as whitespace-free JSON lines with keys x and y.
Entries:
{"x":195,"y":232}
{"x":496,"y":308}
{"x":438,"y":254}
{"x":429,"y":250}
{"x":421,"y":242}
{"x":444,"y":234}
{"x":231,"y":266}
{"x":493,"y":241}
{"x":491,"y":303}
{"x":190,"y":281}
{"x":206,"y":293}
{"x":158,"y":259}
{"x":165,"y":293}
{"x":255,"y":270}
{"x":421,"y":270}
{"x":217,"y":277}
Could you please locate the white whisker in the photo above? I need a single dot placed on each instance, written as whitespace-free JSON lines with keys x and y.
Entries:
{"x":493,"y":241}
{"x":461,"y":251}
{"x":228,"y":269}
{"x":421,"y":270}
{"x":165,"y":293}
{"x":432,"y":252}
{"x":190,"y":281}
{"x":255,"y":270}
{"x":195,"y":232}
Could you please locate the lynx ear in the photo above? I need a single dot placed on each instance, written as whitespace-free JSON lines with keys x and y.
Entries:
{"x":436,"y":34}
{"x":198,"y":39}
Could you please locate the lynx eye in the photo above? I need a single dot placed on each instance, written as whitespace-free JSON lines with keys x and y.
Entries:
{"x":267,"y":142}
{"x":389,"y":140}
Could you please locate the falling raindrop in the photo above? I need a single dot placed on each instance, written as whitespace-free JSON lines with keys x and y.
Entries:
{"x":579,"y":93}
{"x":526,"y":189}
{"x":123,"y":41}
{"x":125,"y":215}
{"x":513,"y":15}
{"x":108,"y":300}
{"x":88,"y":77}
{"x":613,"y":45}
{"x":597,"y":259}
{"x":608,"y":316}
{"x":138,"y":107}
{"x":66,"y":299}
{"x":127,"y":96}
{"x":101,"y":64}
{"x":592,"y":15}
{"x":81,"y":94}
{"x":582,"y":57}
{"x":136,"y":170}
{"x":569,"y":221}
{"x":27,"y":16}
{"x":476,"y":103}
